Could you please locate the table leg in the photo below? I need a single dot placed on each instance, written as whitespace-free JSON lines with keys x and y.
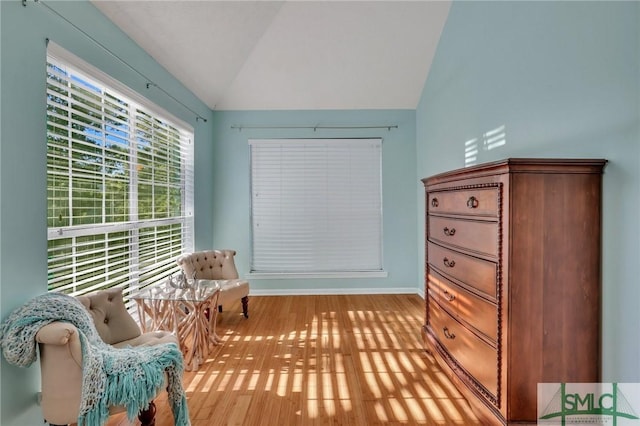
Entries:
{"x":213,"y":319}
{"x":189,"y":321}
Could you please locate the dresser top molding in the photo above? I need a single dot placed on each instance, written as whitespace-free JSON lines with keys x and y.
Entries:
{"x":521,"y":165}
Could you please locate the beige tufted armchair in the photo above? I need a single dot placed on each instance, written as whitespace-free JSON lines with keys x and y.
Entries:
{"x":61,"y":355}
{"x":217,"y":265}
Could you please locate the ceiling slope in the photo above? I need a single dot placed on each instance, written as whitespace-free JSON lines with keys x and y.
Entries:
{"x":293,"y":55}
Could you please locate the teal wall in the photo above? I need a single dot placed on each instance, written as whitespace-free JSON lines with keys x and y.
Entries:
{"x":23,"y":209}
{"x":231,"y":219}
{"x":564,"y":80}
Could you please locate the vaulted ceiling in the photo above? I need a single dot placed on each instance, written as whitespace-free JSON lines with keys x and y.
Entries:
{"x":299,"y":55}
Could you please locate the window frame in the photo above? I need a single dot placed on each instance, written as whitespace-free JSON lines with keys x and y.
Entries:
{"x":332,"y":143}
{"x":138,"y":268}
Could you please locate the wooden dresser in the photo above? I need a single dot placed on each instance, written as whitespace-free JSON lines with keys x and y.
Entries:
{"x":513,"y":280}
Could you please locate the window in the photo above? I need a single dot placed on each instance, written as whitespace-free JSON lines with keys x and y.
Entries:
{"x":119,"y":182}
{"x":316,"y":207}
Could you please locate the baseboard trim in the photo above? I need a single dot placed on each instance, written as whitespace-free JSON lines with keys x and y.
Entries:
{"x":333,"y":291}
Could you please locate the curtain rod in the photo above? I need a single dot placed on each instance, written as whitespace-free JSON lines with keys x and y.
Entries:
{"x":388,"y":127}
{"x":149,"y":83}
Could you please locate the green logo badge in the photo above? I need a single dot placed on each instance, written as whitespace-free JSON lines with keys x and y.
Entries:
{"x":588,"y":404}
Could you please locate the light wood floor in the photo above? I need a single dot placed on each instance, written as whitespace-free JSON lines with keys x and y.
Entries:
{"x":320,"y":360}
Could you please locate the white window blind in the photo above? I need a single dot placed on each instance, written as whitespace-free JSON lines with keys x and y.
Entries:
{"x":316,"y":206}
{"x":119,"y":183}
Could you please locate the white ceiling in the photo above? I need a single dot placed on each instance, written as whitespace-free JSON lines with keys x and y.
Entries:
{"x":298,"y":55}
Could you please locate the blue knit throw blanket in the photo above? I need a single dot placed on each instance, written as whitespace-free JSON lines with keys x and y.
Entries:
{"x":130,"y":376}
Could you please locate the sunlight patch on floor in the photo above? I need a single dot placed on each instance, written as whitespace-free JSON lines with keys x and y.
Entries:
{"x":281,"y":390}
{"x":240,"y":380}
{"x":372,"y":385}
{"x":197,"y":378}
{"x":253,"y":381}
{"x":433,"y":410}
{"x":452,"y":409}
{"x":381,"y":413}
{"x":224,"y":382}
{"x":312,"y":386}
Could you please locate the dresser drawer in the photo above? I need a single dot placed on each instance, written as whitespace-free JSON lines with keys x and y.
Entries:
{"x":476,"y":202}
{"x":474,"y":355}
{"x":477,"y":273}
{"x":469,"y":308}
{"x":477,"y":236}
{"x":443,"y":292}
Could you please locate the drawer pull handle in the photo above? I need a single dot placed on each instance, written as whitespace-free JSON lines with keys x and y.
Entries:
{"x":449,"y":263}
{"x":448,"y":295}
{"x":448,"y":334}
{"x":434,"y":202}
{"x":473,"y":202}
{"x":449,"y":232}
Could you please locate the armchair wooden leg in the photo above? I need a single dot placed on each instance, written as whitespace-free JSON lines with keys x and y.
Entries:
{"x":245,"y":306}
{"x":148,"y":417}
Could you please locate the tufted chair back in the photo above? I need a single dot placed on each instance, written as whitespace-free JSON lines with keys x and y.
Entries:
{"x":110,"y":316}
{"x":209,"y":264}
{"x":217,"y":265}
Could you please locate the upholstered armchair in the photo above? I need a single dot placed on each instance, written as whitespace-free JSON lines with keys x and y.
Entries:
{"x":217,"y":265}
{"x":61,"y":355}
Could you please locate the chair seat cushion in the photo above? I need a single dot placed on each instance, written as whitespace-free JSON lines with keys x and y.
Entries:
{"x":231,"y":290}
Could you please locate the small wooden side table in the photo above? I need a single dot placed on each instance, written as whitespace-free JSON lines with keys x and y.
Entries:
{"x":191,"y":313}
